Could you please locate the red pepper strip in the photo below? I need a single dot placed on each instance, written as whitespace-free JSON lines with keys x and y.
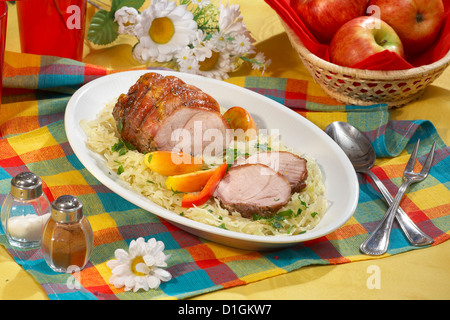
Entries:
{"x":197,"y":199}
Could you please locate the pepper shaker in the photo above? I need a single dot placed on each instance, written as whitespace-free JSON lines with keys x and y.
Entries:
{"x":25,"y":211}
{"x":67,"y":239}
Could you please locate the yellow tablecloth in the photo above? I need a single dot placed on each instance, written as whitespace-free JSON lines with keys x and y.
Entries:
{"x":418,"y":274}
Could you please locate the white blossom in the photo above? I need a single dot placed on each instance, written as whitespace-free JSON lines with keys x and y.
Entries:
{"x":141,"y":267}
{"x":242,"y":45}
{"x":163,"y":29}
{"x":201,"y":3}
{"x":127,"y":18}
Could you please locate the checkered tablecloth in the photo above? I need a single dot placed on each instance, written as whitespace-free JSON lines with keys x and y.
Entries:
{"x":32,"y":138}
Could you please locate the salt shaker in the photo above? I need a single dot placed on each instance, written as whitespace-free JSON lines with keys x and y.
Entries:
{"x":25,"y":211}
{"x":67,"y":239}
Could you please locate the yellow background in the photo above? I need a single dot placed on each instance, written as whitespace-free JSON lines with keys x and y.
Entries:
{"x":419,"y":274}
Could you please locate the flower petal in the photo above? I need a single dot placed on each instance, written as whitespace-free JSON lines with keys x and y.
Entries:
{"x":116,"y":281}
{"x":163,"y":275}
{"x":141,"y":283}
{"x":153,"y":282}
{"x":130,"y":282}
{"x":121,"y":254}
{"x":142,"y":268}
{"x":122,"y":270}
{"x":112,"y":263}
{"x":149,"y":260}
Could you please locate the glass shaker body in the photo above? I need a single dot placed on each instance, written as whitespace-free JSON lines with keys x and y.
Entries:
{"x":68,"y":239}
{"x":25,"y":211}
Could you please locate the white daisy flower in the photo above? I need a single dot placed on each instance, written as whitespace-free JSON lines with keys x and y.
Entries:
{"x":190,"y":66}
{"x":187,"y":61}
{"x":184,"y":54}
{"x":127,"y":18}
{"x":201,"y":3}
{"x":219,"y":40}
{"x":259,"y":62}
{"x":202,"y":49}
{"x":217,"y":66}
{"x":163,"y":29}
{"x":203,"y":58}
{"x":242,"y":45}
{"x":140,"y":268}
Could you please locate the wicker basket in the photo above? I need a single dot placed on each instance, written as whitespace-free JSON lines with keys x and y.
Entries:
{"x":367,"y":87}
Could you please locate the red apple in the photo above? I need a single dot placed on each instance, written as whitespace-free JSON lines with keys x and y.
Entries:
{"x":324,"y":17}
{"x":362,"y":37}
{"x":417,"y":22}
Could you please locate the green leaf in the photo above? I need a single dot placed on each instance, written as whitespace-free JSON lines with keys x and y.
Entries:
{"x":102,"y":29}
{"x":117,"y":4}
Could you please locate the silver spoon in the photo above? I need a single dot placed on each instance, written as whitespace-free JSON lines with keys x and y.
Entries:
{"x":362,"y":155}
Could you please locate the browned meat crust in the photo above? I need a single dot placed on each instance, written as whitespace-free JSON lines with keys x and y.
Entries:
{"x":141,"y":112}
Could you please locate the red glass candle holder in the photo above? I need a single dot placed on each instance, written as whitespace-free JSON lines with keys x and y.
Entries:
{"x":3,"y":23}
{"x":52,"y":27}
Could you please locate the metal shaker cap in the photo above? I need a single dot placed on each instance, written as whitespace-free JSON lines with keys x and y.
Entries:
{"x":67,"y":208}
{"x":26,"y":186}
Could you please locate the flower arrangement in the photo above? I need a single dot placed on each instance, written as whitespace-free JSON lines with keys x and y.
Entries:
{"x":193,"y":36}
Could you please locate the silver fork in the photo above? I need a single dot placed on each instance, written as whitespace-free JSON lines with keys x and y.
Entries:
{"x":377,"y":243}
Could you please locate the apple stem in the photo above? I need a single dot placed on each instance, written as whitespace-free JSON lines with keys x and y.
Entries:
{"x":419,"y":18}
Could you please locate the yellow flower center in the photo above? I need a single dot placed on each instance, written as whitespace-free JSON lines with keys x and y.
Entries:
{"x":161,"y":30}
{"x":136,"y":261}
{"x":209,"y":63}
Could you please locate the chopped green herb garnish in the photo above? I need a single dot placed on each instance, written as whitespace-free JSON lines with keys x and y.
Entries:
{"x":174,"y":192}
{"x":302,"y":202}
{"x":276,"y":219}
{"x":231,"y":156}
{"x":277,"y":225}
{"x":118,"y":146}
{"x":286,"y":214}
{"x":222,"y":226}
{"x":262,"y":146}
{"x":257,"y":217}
{"x":313,"y":214}
{"x":129,"y":146}
{"x":122,"y":147}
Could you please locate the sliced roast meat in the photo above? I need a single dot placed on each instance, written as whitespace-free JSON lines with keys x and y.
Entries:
{"x":286,"y":163}
{"x":195,"y":131}
{"x":151,"y":102}
{"x":253,"y":189}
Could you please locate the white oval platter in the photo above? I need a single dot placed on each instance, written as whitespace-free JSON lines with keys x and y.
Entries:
{"x":303,"y":136}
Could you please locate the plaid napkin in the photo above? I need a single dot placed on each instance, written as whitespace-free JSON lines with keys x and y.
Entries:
{"x":32,"y":137}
